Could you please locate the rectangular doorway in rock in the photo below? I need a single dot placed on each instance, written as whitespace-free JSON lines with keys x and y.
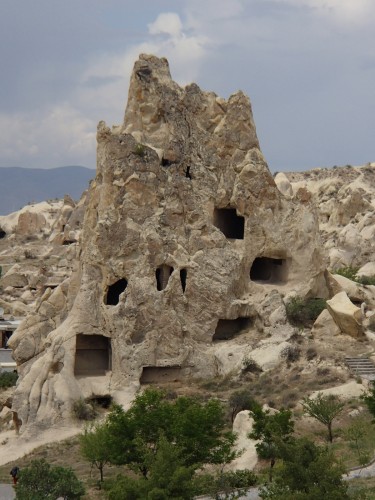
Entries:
{"x":93,"y":355}
{"x":227,"y":329}
{"x":268,"y":270}
{"x":229,"y":223}
{"x":160,"y":374}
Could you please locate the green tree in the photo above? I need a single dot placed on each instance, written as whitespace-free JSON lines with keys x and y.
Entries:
{"x":369,"y":399}
{"x":272,"y":430}
{"x":198,"y":429}
{"x":356,"y":435}
{"x":41,"y":481}
{"x":94,"y":446}
{"x":239,"y":401}
{"x":324,"y":408}
{"x":167,"y":478}
{"x":307,"y":472}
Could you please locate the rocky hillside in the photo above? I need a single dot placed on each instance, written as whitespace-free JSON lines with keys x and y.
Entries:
{"x":344,"y":198}
{"x":179,"y":263}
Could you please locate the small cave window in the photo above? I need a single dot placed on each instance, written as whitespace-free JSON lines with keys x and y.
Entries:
{"x":162,"y":275}
{"x":229,"y":223}
{"x":114,"y":291}
{"x":2,"y":234}
{"x":5,"y":336}
{"x":101,"y":401}
{"x":183,"y":276}
{"x":160,"y":374}
{"x":268,"y":270}
{"x":188,"y":173}
{"x":68,"y":242}
{"x":93,"y":355}
{"x":165,"y":162}
{"x":227,"y":329}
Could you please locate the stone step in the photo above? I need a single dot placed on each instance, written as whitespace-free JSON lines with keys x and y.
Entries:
{"x":361,"y":366}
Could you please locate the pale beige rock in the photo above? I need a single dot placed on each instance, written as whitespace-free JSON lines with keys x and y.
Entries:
{"x":325,"y":325}
{"x":346,"y":315}
{"x":345,"y":391}
{"x":283,"y":185}
{"x":367,"y":270}
{"x":242,"y":426}
{"x":170,"y":215}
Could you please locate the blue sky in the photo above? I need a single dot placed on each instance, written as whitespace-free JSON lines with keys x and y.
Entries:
{"x":307,"y":65}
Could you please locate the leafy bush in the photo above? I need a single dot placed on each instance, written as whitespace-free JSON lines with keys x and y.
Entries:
{"x":239,"y":401}
{"x":303,"y":312}
{"x":140,"y":150}
{"x":41,"y":481}
{"x":8,"y":379}
{"x":250,"y":365}
{"x":351,"y":274}
{"x":291,"y":353}
{"x":83,"y":410}
{"x":311,"y":353}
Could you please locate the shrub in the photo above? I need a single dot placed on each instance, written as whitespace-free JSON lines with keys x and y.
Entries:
{"x":83,"y":410}
{"x":43,"y":481}
{"x":291,"y":353}
{"x":140,"y":150}
{"x":311,"y":353}
{"x":239,"y":401}
{"x":351,"y":274}
{"x":303,"y":312}
{"x":250,"y":365}
{"x":8,"y":379}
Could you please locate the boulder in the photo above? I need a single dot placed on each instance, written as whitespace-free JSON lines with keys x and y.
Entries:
{"x":325,"y":325}
{"x":242,"y":426}
{"x":346,"y":315}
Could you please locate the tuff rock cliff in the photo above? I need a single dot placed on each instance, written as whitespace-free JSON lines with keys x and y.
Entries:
{"x":187,"y":253}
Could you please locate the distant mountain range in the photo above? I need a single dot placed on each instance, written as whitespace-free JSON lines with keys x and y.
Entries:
{"x":20,"y":186}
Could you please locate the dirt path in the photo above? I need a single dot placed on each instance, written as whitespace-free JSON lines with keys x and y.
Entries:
{"x":13,"y":447}
{"x":7,"y":492}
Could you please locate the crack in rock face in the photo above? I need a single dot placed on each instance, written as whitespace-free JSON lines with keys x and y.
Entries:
{"x":185,"y":234}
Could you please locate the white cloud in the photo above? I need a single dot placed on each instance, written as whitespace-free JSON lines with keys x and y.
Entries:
{"x":61,"y":134}
{"x":167,"y":23}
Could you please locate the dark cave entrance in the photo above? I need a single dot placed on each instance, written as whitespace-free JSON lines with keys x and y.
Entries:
{"x":226,"y":329}
{"x":2,"y":234}
{"x":93,"y":355}
{"x":114,"y":291}
{"x":229,"y":223}
{"x":267,"y":270}
{"x":160,"y":374}
{"x":162,"y":275}
{"x":183,"y":276}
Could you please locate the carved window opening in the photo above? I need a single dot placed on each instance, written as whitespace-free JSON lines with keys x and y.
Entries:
{"x":162,"y":275}
{"x":187,"y":173}
{"x":93,"y":355}
{"x":267,"y":270}
{"x":160,"y":374}
{"x":165,"y":162}
{"x":114,"y":291}
{"x":2,"y":234}
{"x":102,"y":401}
{"x":5,"y":336}
{"x":229,"y":223}
{"x":69,"y":242}
{"x":183,"y":276}
{"x":227,"y":329}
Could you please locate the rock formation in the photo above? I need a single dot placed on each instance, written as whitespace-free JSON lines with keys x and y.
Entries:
{"x":186,"y":252}
{"x":345,"y":200}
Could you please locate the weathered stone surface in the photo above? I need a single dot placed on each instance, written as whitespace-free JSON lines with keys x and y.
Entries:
{"x":185,"y":236}
{"x":242,"y":426}
{"x":346,"y":315}
{"x":325,"y":325}
{"x":345,"y":200}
